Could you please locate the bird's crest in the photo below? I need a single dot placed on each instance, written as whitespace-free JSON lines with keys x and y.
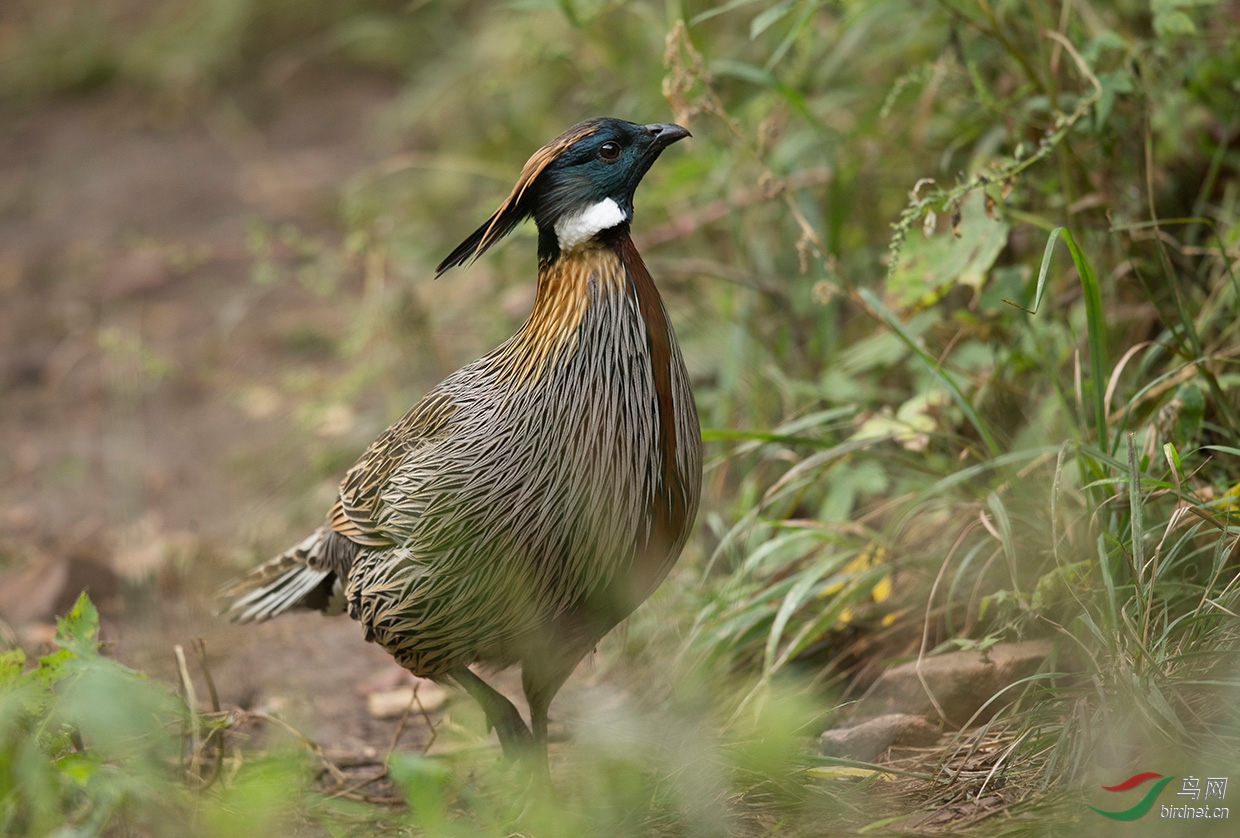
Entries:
{"x":511,"y":212}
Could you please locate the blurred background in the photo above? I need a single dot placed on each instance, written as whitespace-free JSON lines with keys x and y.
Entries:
{"x":955,"y":282}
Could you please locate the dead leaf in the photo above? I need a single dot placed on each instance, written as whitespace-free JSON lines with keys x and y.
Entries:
{"x":847,"y":772}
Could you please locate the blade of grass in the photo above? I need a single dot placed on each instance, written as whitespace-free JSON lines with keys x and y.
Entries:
{"x":876,"y":305}
{"x":1095,"y":320}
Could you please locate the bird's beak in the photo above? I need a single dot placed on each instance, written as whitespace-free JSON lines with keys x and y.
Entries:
{"x":663,"y":134}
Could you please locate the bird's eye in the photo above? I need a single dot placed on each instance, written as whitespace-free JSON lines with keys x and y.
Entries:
{"x":609,"y":151}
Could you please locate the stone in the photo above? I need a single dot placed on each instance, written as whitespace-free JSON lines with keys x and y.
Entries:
{"x":956,"y":687}
{"x":867,"y":740}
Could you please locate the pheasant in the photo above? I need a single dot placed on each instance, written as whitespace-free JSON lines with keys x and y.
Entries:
{"x":529,"y":502}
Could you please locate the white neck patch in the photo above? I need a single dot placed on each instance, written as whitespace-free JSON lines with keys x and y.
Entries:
{"x":574,"y":230}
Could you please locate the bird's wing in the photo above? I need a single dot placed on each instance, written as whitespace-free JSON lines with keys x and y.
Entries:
{"x":356,"y":515}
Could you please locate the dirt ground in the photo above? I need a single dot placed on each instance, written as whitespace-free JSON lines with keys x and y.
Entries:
{"x":141,"y":365}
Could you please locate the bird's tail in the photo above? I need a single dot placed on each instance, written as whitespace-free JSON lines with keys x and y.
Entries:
{"x":289,"y":581}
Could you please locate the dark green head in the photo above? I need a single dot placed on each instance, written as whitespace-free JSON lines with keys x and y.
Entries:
{"x":579,"y":184}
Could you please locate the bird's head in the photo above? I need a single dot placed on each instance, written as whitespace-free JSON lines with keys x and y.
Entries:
{"x":575,"y":187}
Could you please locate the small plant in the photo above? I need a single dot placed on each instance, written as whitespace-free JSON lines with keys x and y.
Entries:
{"x":89,"y":746}
{"x":85,"y":743}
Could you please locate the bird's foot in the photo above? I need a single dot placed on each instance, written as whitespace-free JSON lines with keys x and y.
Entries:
{"x":514,"y":737}
{"x":504,"y":718}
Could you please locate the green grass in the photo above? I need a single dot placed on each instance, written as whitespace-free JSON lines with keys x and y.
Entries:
{"x":910,"y":447}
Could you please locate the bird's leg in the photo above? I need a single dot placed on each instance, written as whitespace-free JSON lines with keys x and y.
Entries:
{"x":514,"y":736}
{"x":539,"y":696}
{"x":541,"y":680}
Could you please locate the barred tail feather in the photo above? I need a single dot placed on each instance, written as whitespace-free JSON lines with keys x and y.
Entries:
{"x":289,"y":581}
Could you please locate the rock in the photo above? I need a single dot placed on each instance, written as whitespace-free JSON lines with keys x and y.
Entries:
{"x":869,"y":739}
{"x":956,"y":685}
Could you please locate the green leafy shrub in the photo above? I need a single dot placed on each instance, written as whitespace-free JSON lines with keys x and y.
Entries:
{"x":91,"y":747}
{"x":85,"y":743}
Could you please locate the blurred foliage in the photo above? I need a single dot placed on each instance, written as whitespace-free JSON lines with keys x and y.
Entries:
{"x":91,"y":747}
{"x":956,"y":283}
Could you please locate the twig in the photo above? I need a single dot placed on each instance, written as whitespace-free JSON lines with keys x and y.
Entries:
{"x":677,"y":48}
{"x":400,"y":727}
{"x":722,"y":208}
{"x":1076,"y":57}
{"x":191,"y":699}
{"x":200,"y":649}
{"x":430,"y":725}
{"x":350,"y":792}
{"x":999,"y":172}
{"x":314,"y":747}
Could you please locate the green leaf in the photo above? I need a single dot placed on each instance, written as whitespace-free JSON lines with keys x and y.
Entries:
{"x":929,"y":267}
{"x":1170,"y":19}
{"x":1223,"y":449}
{"x":1113,"y":83}
{"x":913,"y":422}
{"x":77,"y":767}
{"x":1095,"y":321}
{"x":893,"y":322}
{"x":719,"y":10}
{"x":1170,"y":24}
{"x":1173,"y":457}
{"x":1189,"y":407}
{"x":795,"y":598}
{"x":763,"y":78}
{"x":12,"y":663}
{"x":78,"y":631}
{"x":52,"y":666}
{"x":1056,"y":587}
{"x":998,"y":598}
{"x":770,"y":17}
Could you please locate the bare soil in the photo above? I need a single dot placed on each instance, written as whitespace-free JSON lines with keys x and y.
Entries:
{"x":145,"y":450}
